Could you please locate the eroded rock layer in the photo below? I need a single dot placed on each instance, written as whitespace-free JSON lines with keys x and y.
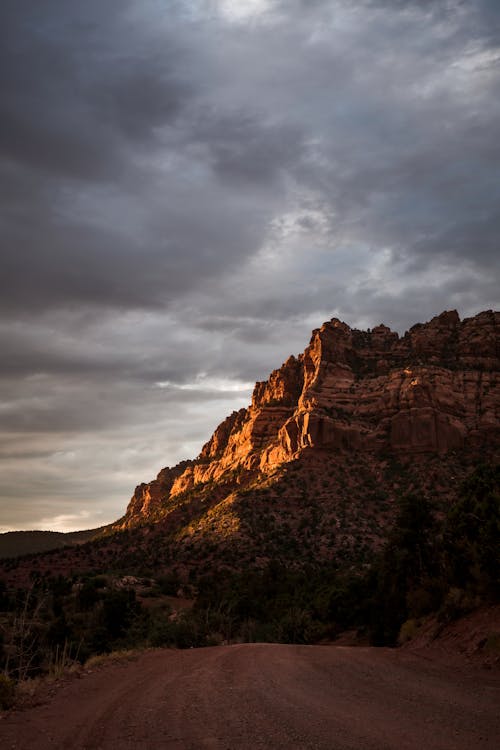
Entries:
{"x":434,"y":390}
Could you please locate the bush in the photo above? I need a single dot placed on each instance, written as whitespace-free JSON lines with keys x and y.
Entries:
{"x":472,"y":533}
{"x":169,"y":584}
{"x":492,"y":644}
{"x":457,"y":603}
{"x":408,"y":631}
{"x":7,"y":692}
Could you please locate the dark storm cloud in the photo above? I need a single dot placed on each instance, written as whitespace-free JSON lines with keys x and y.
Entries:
{"x":79,"y":84}
{"x":53,"y":261}
{"x":148,"y":118}
{"x":188,"y":188}
{"x":108,"y":161}
{"x":82,"y":100}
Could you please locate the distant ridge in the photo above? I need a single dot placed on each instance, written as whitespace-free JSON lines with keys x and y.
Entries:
{"x":18,"y":543}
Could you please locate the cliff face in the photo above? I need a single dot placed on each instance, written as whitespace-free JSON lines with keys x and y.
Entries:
{"x":434,"y":390}
{"x":149,"y":496}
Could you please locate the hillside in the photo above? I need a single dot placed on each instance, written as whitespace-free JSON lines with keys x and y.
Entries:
{"x":359,"y":490}
{"x":17,"y":543}
{"x":313,"y":471}
{"x":352,"y":395}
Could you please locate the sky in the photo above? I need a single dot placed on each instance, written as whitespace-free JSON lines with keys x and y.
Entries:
{"x":188,"y":188}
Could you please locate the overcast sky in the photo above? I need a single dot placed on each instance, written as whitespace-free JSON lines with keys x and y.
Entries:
{"x":188,"y":187}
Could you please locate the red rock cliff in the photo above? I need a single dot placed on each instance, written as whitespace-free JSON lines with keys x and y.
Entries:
{"x":433,"y":390}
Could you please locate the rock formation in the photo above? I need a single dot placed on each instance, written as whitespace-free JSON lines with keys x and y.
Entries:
{"x":434,"y":390}
{"x":313,"y":472}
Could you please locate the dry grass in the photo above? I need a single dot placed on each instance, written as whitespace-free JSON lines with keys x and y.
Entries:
{"x":114,"y":657}
{"x":36,"y":690}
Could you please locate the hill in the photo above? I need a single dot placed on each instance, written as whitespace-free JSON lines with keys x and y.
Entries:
{"x":361,"y":395}
{"x":18,"y":543}
{"x":313,"y":470}
{"x":360,"y":489}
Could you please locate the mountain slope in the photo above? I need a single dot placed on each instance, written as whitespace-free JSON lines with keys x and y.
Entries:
{"x":16,"y":543}
{"x":352,"y":394}
{"x":313,"y":471}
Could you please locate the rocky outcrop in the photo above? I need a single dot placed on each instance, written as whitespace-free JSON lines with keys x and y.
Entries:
{"x":435,"y":389}
{"x":148,"y":497}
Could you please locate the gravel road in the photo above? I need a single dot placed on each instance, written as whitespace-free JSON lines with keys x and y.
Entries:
{"x":255,"y":696}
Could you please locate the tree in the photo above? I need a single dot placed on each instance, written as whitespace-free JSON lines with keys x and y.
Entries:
{"x":407,"y":573}
{"x":473,"y":533}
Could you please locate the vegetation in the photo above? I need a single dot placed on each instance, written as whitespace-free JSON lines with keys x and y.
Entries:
{"x":440,"y":563}
{"x":434,"y":560}
{"x":16,"y":543}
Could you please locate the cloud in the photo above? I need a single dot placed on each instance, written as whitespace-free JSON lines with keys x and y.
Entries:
{"x":186,"y":190}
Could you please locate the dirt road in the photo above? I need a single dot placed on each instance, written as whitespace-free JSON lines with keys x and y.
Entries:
{"x":267,"y":696}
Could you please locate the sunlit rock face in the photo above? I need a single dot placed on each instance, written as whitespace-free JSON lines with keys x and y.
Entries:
{"x":148,"y":496}
{"x":433,"y":390}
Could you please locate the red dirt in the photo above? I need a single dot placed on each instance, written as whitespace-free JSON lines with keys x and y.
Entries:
{"x":267,"y":696}
{"x":475,"y":637}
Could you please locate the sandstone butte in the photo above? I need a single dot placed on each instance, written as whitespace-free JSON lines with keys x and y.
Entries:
{"x":433,"y":391}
